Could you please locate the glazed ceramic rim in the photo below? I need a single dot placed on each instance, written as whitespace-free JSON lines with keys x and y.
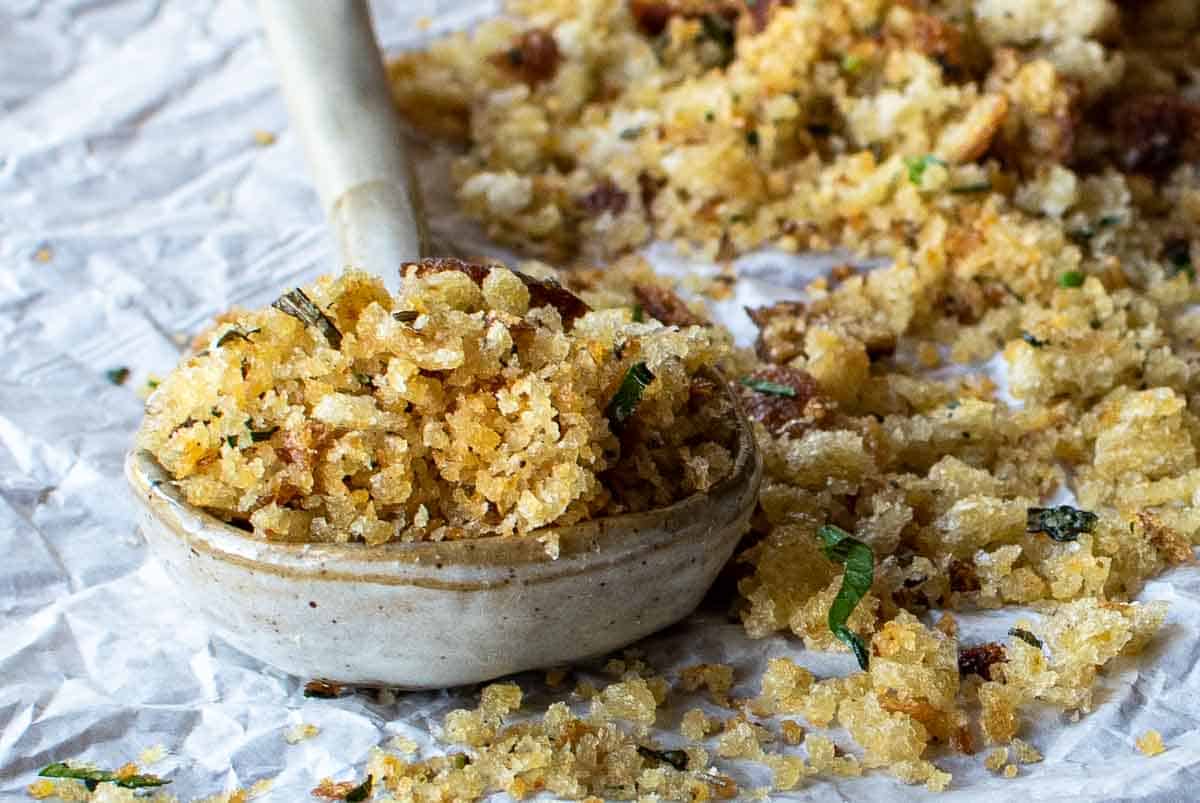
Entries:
{"x":608,"y":539}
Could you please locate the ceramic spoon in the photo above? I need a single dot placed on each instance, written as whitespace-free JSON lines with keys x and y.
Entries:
{"x":425,"y":614}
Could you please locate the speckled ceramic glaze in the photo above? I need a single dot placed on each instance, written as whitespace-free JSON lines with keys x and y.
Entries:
{"x":429,"y":615}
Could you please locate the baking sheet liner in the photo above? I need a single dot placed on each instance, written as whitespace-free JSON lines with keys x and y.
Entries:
{"x":135,"y":204}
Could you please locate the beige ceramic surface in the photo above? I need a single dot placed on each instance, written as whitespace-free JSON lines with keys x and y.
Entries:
{"x":430,"y":615}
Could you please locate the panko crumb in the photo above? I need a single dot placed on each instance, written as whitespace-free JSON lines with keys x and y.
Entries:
{"x":1010,"y":771}
{"x":403,"y":745}
{"x":152,"y":755}
{"x":301,"y":732}
{"x":996,"y":759}
{"x":1150,"y":743}
{"x":477,"y":402}
{"x":264,"y":138}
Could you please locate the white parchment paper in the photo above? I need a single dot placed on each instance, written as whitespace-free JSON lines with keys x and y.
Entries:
{"x":134,"y":205}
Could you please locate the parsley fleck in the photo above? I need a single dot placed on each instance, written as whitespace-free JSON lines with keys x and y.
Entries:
{"x":676,"y":758}
{"x":1025,"y":636}
{"x":628,"y":396}
{"x":301,"y":307}
{"x":859,"y":562}
{"x":752,"y":138}
{"x":1062,"y":523}
{"x":1033,"y":340}
{"x":768,"y":387}
{"x":917,"y":165}
{"x":117,"y":376}
{"x":967,"y":189}
{"x":92,"y":778}
{"x":360,"y":792}
{"x":1071,"y":278}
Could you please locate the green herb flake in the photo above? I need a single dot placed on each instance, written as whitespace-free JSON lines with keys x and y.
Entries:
{"x":917,"y":165}
{"x":232,"y":334}
{"x":1025,"y":636}
{"x":1179,"y":259}
{"x":301,"y":307}
{"x":232,"y":440}
{"x":859,"y":562}
{"x":1062,"y":523}
{"x":969,"y":189}
{"x":406,"y":315}
{"x":752,"y":138}
{"x":360,"y":792}
{"x":709,"y":116}
{"x":460,"y":760}
{"x":676,"y":758}
{"x":628,"y":395}
{"x":719,"y":30}
{"x":767,"y":387}
{"x":851,"y":63}
{"x":152,"y":383}
{"x":639,"y":314}
{"x":630,"y":133}
{"x":118,"y":376}
{"x":258,"y":436}
{"x":92,"y":778}
{"x":1033,"y":340}
{"x":1071,"y":278}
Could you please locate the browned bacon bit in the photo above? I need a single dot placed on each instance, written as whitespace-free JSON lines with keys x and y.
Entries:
{"x":963,"y":577}
{"x":664,"y":306}
{"x":760,"y":11}
{"x":653,"y":16}
{"x":533,"y":57}
{"x":978,"y":660}
{"x":606,"y":197}
{"x":938,"y":39}
{"x":1156,"y":132}
{"x":782,"y":414}
{"x":323,"y":689}
{"x":542,"y":292}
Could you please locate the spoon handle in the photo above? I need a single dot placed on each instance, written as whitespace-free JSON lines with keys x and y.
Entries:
{"x":338,"y":98}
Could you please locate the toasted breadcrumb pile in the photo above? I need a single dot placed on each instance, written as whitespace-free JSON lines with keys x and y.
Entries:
{"x":1028,"y":169}
{"x":477,"y":402}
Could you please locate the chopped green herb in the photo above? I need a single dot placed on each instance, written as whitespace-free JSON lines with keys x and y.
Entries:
{"x":93,"y":778}
{"x":360,"y":792}
{"x":859,"y":562}
{"x":460,"y":760}
{"x":1109,"y":220}
{"x":639,"y":315}
{"x":232,"y":440}
{"x":301,"y":307}
{"x":1025,"y":636}
{"x":215,"y":412}
{"x":709,"y":116}
{"x":719,"y":30}
{"x":851,"y":63}
{"x":363,"y":379}
{"x":262,"y":435}
{"x":767,"y":387}
{"x":967,"y":189}
{"x":117,"y":376}
{"x":752,"y":138}
{"x":676,"y":758}
{"x":917,"y":165}
{"x":152,"y":383}
{"x":1062,"y":523}
{"x":628,"y":395}
{"x":953,"y":405}
{"x":630,"y":133}
{"x":234,"y":333}
{"x":1179,"y":259}
{"x":1071,"y":278}
{"x":1033,"y":340}
{"x":406,"y":315}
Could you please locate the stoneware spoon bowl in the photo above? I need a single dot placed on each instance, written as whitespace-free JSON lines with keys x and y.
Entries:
{"x":427,"y":614}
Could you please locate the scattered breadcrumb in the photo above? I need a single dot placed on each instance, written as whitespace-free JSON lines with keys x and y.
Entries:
{"x":1011,"y":771}
{"x":996,"y":759}
{"x":43,"y":254}
{"x":298,"y":733}
{"x":264,"y":138}
{"x":1150,"y":743}
{"x":152,"y":755}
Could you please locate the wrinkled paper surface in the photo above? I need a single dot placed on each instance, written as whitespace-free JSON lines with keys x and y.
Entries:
{"x":134,"y":205}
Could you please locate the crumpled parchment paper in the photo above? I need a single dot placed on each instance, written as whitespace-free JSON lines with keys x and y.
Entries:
{"x":135,"y":204}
